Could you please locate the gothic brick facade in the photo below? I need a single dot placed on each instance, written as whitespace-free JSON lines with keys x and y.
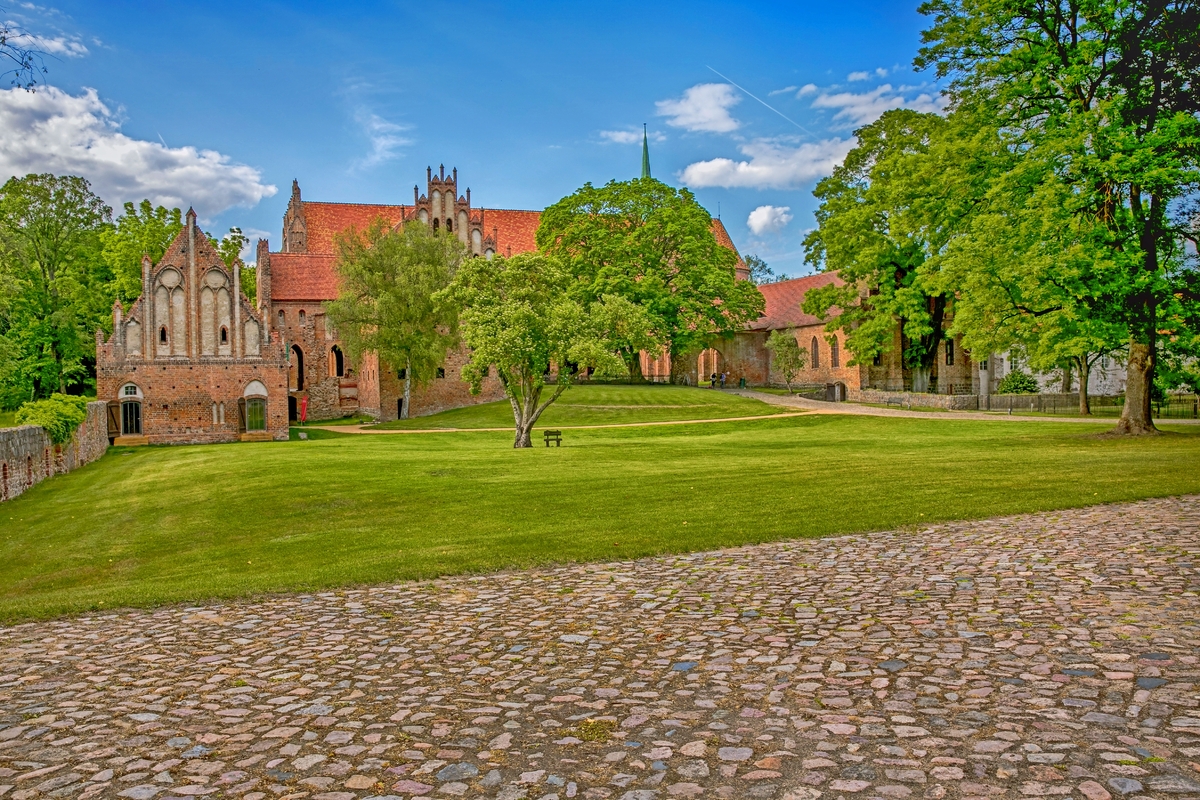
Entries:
{"x":193,"y":361}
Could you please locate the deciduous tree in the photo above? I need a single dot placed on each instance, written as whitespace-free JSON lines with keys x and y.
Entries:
{"x":391,"y":301}
{"x":787,"y":357}
{"x":519,"y":316}
{"x":653,"y":245}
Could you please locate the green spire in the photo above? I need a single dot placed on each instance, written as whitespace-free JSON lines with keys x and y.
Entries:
{"x":645,"y":153}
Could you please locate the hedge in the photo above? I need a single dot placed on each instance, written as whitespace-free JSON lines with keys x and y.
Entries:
{"x":60,"y":415}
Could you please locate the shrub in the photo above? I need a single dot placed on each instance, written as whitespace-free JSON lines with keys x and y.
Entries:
{"x":1017,"y":382}
{"x":60,"y":415}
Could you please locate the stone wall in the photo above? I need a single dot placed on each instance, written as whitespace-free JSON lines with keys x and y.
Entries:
{"x":28,"y":457}
{"x":953,"y":402}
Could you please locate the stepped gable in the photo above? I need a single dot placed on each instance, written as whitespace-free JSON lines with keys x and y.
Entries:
{"x":516,"y":231}
{"x":325,"y":220}
{"x":303,"y":276}
{"x":784,"y":299}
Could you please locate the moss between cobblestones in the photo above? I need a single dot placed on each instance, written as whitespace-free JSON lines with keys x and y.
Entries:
{"x":147,"y":526}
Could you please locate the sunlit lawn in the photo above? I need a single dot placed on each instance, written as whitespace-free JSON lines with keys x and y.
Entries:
{"x":164,"y":524}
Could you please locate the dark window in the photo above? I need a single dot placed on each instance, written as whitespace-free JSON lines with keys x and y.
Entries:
{"x":441,"y":372}
{"x":449,"y":226}
{"x":131,"y":418}
{"x":256,"y":414}
{"x":983,"y":366}
{"x":816,"y":353}
{"x":302,"y":316}
{"x":296,"y":369}
{"x":435,"y":224}
{"x":162,"y":334}
{"x":401,"y":374}
{"x":835,"y":359}
{"x":877,"y":360}
{"x":949,"y":352}
{"x":400,"y":408}
{"x":336,"y":363}
{"x":224,"y":335}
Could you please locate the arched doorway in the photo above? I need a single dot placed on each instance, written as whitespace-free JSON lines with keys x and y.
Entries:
{"x":337,"y":364}
{"x":296,"y":369}
{"x":709,"y":363}
{"x":293,"y":413}
{"x":131,"y":410}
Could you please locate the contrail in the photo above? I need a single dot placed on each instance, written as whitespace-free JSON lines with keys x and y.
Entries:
{"x":768,"y":105}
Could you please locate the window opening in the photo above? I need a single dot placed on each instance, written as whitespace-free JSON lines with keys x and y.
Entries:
{"x":224,"y":335}
{"x":449,"y":226}
{"x":834,"y":355}
{"x":441,"y":372}
{"x":949,"y":352}
{"x":131,"y":418}
{"x":282,"y":318}
{"x":162,"y":334}
{"x":816,"y":353}
{"x":435,"y":225}
{"x":302,"y":316}
{"x":336,"y":363}
{"x":401,"y":374}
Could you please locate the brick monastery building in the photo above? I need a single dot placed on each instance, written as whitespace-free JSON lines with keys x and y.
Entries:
{"x":193,"y":361}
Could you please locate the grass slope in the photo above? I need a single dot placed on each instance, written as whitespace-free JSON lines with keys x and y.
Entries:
{"x":164,"y":524}
{"x":599,"y":404}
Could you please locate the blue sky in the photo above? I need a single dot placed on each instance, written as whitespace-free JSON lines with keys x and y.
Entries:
{"x":219,"y":105}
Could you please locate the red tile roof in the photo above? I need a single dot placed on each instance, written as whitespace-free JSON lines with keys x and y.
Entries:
{"x":516,"y":231}
{"x":302,"y":276}
{"x":324,"y":220}
{"x":718,"y":229}
{"x":784,"y":299}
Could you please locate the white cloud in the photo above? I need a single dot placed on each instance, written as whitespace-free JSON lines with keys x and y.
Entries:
{"x":630,"y":137}
{"x":858,"y":76}
{"x":866,"y":107}
{"x":771,"y":165}
{"x":52,"y":131}
{"x":703,"y":107}
{"x":881,"y":72}
{"x":769,"y":219}
{"x":68,"y":46}
{"x":784,"y":90}
{"x":384,"y":136}
{"x":808,"y":88}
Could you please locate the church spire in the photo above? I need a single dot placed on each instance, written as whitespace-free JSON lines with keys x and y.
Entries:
{"x":645,"y":153}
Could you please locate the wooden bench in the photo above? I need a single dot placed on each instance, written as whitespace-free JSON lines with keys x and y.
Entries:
{"x":895,"y":401}
{"x":553,"y":436}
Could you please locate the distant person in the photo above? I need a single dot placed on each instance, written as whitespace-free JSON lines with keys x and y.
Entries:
{"x":712,"y":381}
{"x":723,"y":375}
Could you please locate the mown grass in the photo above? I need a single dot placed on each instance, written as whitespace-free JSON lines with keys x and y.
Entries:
{"x":599,"y":404}
{"x":152,"y":525}
{"x":8,"y":419}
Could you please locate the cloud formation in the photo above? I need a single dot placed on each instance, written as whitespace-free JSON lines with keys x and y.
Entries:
{"x":855,"y":109}
{"x":630,"y":137}
{"x":768,"y":219}
{"x":384,"y":137}
{"x":770,"y":165}
{"x":52,"y":131}
{"x":703,"y":107}
{"x":858,"y":76}
{"x":65,"y":46}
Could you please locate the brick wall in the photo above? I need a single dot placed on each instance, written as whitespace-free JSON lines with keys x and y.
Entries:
{"x":440,"y":394}
{"x":178,"y":398}
{"x":27,"y":456}
{"x":960,"y":402}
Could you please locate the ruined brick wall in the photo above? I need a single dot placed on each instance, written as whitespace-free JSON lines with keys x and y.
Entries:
{"x":304,"y":325}
{"x":28,"y":457}
{"x":440,"y":394}
{"x":961,"y":402}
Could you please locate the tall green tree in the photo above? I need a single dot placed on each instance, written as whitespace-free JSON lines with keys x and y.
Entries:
{"x":1106,"y":92}
{"x":141,"y":229}
{"x":653,"y":245}
{"x":391,"y":299}
{"x":56,"y":281}
{"x":879,"y":221}
{"x":519,"y":315}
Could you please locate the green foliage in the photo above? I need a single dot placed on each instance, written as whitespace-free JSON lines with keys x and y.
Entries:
{"x":787,"y":357}
{"x":54,"y":284}
{"x":1018,"y":382}
{"x":518,"y":315}
{"x":760,"y":272}
{"x":142,"y":229}
{"x":653,"y":245}
{"x":879,"y":221}
{"x":1099,"y":97}
{"x":230,"y":248}
{"x":391,"y":301}
{"x":59,"y":414}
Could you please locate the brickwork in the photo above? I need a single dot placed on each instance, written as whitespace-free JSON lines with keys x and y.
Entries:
{"x":957,"y":402}
{"x":191,"y":349}
{"x":440,"y":394}
{"x":28,"y":457}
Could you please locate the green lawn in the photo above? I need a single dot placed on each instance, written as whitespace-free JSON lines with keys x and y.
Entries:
{"x":8,"y":419}
{"x":168,"y":524}
{"x":600,"y":404}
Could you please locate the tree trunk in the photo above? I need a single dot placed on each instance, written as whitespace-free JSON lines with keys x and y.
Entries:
{"x":635,"y":368}
{"x":407,"y":389}
{"x":1085,"y":408}
{"x":682,"y":365}
{"x":1135,"y":416}
{"x":920,"y":379}
{"x":524,"y":438}
{"x":1066,"y":386}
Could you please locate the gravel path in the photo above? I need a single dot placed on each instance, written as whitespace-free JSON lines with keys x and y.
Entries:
{"x":1049,"y":655}
{"x":794,"y":401}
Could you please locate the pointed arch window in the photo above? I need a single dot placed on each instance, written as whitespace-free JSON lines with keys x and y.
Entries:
{"x":835,"y":358}
{"x":162,"y":335}
{"x":816,"y":353}
{"x":224,"y":335}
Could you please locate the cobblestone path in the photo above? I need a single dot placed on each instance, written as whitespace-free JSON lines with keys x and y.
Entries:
{"x":1050,"y":655}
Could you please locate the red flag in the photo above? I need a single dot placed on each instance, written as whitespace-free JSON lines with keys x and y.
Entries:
{"x":303,"y":409}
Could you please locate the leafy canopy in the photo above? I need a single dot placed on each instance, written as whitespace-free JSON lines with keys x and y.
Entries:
{"x":653,"y":245}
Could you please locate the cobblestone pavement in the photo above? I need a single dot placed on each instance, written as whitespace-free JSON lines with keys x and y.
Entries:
{"x":1046,"y":655}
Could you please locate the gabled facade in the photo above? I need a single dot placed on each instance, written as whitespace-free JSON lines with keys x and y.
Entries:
{"x":192,"y":361}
